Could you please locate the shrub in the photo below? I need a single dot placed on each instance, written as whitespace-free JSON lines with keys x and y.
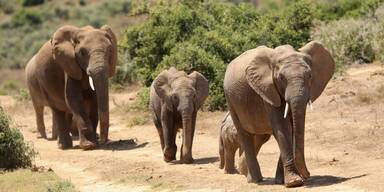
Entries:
{"x":31,"y":2}
{"x":82,"y":2}
{"x":22,"y":96}
{"x":205,"y":37}
{"x":352,"y":41}
{"x":3,"y":93}
{"x":25,"y":16}
{"x":143,"y":102}
{"x":10,"y":85}
{"x":61,"y":186}
{"x":14,"y":152}
{"x":116,"y":7}
{"x":6,"y":7}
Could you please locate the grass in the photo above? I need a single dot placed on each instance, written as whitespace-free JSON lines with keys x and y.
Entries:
{"x":3,"y":93}
{"x":137,"y":120}
{"x":24,"y":180}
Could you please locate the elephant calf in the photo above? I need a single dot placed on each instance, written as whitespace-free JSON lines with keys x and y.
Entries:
{"x":175,"y":98}
{"x":228,"y":145}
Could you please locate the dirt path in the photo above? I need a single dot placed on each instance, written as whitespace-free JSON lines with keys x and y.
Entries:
{"x":344,"y":147}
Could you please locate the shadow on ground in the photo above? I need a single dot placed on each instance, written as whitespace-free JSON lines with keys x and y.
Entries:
{"x":326,"y":180}
{"x":316,"y":181}
{"x":205,"y":160}
{"x":119,"y":145}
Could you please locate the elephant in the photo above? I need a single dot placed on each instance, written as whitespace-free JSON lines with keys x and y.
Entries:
{"x":228,"y":145}
{"x":70,"y":74}
{"x":175,"y":98}
{"x":257,"y":86}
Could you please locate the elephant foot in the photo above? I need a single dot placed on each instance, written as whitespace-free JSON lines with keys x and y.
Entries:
{"x":103,"y":140}
{"x":187,"y":160}
{"x":169,"y":159}
{"x":256,"y":180}
{"x":304,"y":172}
{"x":86,"y":145}
{"x":279,"y":180}
{"x":221,"y":166}
{"x":230,"y":171}
{"x":65,"y":143}
{"x":42,"y":135}
{"x":293,"y":180}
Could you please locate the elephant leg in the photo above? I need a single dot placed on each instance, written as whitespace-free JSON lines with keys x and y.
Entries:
{"x":242,"y":165}
{"x":229,"y":156}
{"x":93,"y":112}
{"x":169,"y":132}
{"x":159,"y":129}
{"x":74,"y":99}
{"x":247,"y":143}
{"x":72,"y":125}
{"x":65,"y":141}
{"x":188,"y":134}
{"x":39,"y":112}
{"x":279,"y":178}
{"x":54,"y":127}
{"x":283,"y":135}
{"x":221,"y":152}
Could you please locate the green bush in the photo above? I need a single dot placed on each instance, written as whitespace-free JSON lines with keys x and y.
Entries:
{"x":14,"y":152}
{"x":334,"y":10}
{"x":22,"y":96}
{"x":6,"y":6}
{"x":353,"y":41}
{"x":205,"y":37}
{"x":143,"y":102}
{"x":10,"y":85}
{"x":61,"y":186}
{"x":3,"y":93}
{"x":116,"y":7}
{"x":31,"y":2}
{"x":25,"y":16}
{"x":82,"y":2}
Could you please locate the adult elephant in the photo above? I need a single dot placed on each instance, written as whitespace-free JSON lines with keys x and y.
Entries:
{"x":175,"y":99}
{"x":61,"y":76}
{"x":267,"y":91}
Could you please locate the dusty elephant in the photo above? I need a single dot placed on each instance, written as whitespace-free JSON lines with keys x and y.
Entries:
{"x":175,"y":98}
{"x":70,"y":75}
{"x":228,"y":145}
{"x":267,"y":92}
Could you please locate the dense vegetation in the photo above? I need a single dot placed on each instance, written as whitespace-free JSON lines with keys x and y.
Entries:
{"x":14,"y":152}
{"x":192,"y":35}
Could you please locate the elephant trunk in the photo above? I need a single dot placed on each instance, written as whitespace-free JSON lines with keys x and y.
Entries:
{"x":298,"y":109}
{"x":99,"y":73}
{"x":186,"y":151}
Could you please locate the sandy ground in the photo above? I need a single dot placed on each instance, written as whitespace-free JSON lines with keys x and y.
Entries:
{"x":344,"y":146}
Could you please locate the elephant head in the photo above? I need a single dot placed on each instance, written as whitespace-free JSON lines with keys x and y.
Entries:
{"x":183,"y":94}
{"x":92,"y":54}
{"x":285,"y":77}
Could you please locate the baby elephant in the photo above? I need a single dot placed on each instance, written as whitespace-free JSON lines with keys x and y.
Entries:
{"x":228,"y":144}
{"x":175,"y":99}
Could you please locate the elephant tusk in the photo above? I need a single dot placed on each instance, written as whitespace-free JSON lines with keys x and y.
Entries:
{"x":286,"y":110}
{"x":310,"y":105}
{"x":91,"y":83}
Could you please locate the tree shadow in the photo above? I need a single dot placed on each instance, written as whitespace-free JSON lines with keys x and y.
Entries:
{"x":205,"y":160}
{"x":119,"y":145}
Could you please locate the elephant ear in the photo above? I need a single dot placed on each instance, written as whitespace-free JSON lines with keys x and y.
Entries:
{"x":322,"y":67}
{"x":63,"y":51}
{"x":259,"y":73}
{"x":201,"y":87}
{"x":163,"y":89}
{"x":113,"y":56}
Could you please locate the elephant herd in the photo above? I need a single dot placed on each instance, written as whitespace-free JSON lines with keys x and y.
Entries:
{"x":267,"y":92}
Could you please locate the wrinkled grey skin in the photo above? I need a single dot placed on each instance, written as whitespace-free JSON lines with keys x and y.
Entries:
{"x":175,"y":98}
{"x":228,"y":145}
{"x":258,"y":84}
{"x":58,"y":77}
